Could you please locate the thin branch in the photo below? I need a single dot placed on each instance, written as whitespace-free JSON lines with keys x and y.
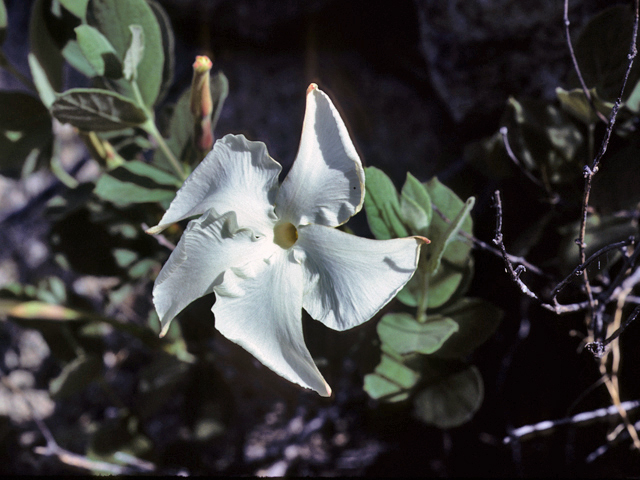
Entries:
{"x":498,"y":240}
{"x":583,"y":417}
{"x":617,"y":333}
{"x":504,"y":132}
{"x":580,"y":269}
{"x":575,"y":64}
{"x":589,"y":172}
{"x":489,"y":248}
{"x":622,"y":277}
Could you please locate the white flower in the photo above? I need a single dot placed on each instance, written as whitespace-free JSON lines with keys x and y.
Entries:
{"x":268,"y":250}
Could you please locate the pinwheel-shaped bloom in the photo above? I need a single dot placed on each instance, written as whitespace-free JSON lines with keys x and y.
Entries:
{"x":268,"y":250}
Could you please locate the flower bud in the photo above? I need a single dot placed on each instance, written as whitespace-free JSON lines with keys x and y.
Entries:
{"x":201,"y":104}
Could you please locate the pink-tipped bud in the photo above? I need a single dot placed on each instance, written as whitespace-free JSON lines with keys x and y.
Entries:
{"x":201,"y":104}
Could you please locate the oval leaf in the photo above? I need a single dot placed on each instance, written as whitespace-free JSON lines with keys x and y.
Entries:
{"x":382,"y":205}
{"x":380,"y":388}
{"x":168,"y":45}
{"x":97,"y":110}
{"x":477,"y":319}
{"x":451,"y":401}
{"x":113,"y":18}
{"x":397,"y":372}
{"x":99,"y":52}
{"x":136,"y":182}
{"x":77,"y":7}
{"x":415,"y":205}
{"x":405,"y":335}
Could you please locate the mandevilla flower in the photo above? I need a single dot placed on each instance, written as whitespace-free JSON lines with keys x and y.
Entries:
{"x":268,"y":250}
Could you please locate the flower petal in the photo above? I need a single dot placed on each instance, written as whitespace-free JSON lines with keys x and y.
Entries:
{"x":325,"y":185}
{"x":236,"y":175}
{"x":261,"y":311}
{"x":208,"y":247}
{"x":348,"y":278}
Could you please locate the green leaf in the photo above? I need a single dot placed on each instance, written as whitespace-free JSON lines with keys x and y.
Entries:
{"x":545,"y":140}
{"x":45,"y":59}
{"x":444,"y":282}
{"x":143,"y":268}
{"x":99,"y":52}
{"x":397,"y":372}
{"x":602,"y":51}
{"x":382,"y":206}
{"x":168,"y":46}
{"x":41,"y":80}
{"x":93,"y":109}
{"x":135,"y":53}
{"x":477,"y":320}
{"x":113,"y":18}
{"x":404,"y":334}
{"x":577,"y":104}
{"x":380,"y":388}
{"x":449,"y":205}
{"x":441,"y":242}
{"x":451,"y":401}
{"x":415,"y":205}
{"x":124,"y":257}
{"x":3,"y":22}
{"x":441,"y":285}
{"x":75,"y":376}
{"x":77,"y":7}
{"x":74,"y":55}
{"x":633,"y":102}
{"x":136,"y":182}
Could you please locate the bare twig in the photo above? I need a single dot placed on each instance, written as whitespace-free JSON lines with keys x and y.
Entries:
{"x":546,"y":425}
{"x":617,"y":333}
{"x":575,"y":64}
{"x":580,"y":269}
{"x":553,"y":197}
{"x":498,"y":240}
{"x":589,"y":172}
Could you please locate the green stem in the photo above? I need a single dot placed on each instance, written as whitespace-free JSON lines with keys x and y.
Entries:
{"x":59,"y":171}
{"x":150,"y":127}
{"x":423,"y":299}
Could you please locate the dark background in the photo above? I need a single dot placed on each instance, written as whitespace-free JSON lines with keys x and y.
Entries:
{"x":416,"y":82}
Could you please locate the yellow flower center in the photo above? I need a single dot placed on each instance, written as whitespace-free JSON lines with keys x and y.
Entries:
{"x":285,"y":235}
